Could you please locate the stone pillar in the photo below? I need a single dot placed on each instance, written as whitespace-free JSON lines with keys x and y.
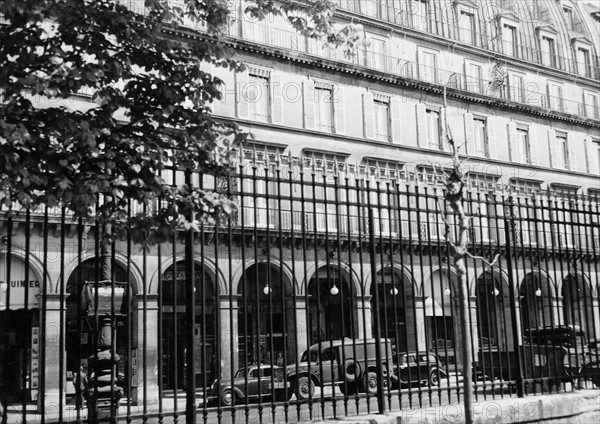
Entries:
{"x":363,"y":317}
{"x":148,"y":348}
{"x":229,"y":349}
{"x":419,"y":325}
{"x":51,"y":399}
{"x":596,"y":323}
{"x":302,"y":331}
{"x":474,"y":328}
{"x":558,"y":317}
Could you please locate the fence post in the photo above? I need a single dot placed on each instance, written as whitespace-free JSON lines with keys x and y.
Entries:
{"x":509,"y":229}
{"x":190,"y":316}
{"x":373,"y":255}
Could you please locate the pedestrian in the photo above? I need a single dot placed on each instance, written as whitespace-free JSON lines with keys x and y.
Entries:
{"x":213,"y":369}
{"x":80,"y":381}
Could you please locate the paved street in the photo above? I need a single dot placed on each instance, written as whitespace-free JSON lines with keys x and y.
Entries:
{"x":326,"y":406}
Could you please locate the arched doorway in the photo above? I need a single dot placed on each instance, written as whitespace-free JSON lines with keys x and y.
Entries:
{"x":330,"y":305}
{"x":174,"y":325}
{"x":81,"y":330}
{"x":493,"y":311}
{"x":442,"y":316}
{"x":396,"y":308}
{"x":537,"y":295}
{"x":577,"y":301}
{"x":19,"y":329}
{"x":266,"y":316}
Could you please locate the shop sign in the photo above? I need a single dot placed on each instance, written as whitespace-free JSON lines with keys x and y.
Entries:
{"x":15,"y":292}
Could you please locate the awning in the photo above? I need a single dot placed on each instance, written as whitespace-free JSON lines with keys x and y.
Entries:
{"x":13,"y":293}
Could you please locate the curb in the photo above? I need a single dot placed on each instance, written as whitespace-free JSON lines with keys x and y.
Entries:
{"x":580,"y":407}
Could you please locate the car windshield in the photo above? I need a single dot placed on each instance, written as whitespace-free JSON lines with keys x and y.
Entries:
{"x":240,"y":373}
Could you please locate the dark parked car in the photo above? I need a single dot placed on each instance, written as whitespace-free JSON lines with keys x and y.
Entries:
{"x":419,"y":368}
{"x":350,"y":364}
{"x":255,"y":382}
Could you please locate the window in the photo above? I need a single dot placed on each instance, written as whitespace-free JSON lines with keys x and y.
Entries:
{"x":419,"y":10}
{"x":433,"y":130}
{"x":555,"y":96}
{"x":429,"y":67}
{"x":561,"y":151}
{"x":480,"y":136}
{"x":509,"y":40}
{"x":523,"y":147}
{"x":257,"y":95}
{"x":382,"y":120}
{"x":516,"y":90}
{"x":376,"y":54}
{"x":583,"y":62}
{"x":323,"y":108}
{"x":466,"y":27}
{"x":590,"y":101}
{"x":548,"y":51}
{"x":474,"y":78}
{"x":569,"y":18}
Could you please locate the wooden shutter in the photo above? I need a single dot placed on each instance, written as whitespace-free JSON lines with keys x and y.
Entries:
{"x":571,"y":148}
{"x":421,"y":111}
{"x":369,"y":115}
{"x":396,"y":120}
{"x":241,"y":85}
{"x":308,"y":91}
{"x":592,"y":156}
{"x":276,"y":99}
{"x":512,"y":142}
{"x":491,"y":138}
{"x":533,"y":144}
{"x":552,"y":148}
{"x":469,"y":134}
{"x":338,"y":109}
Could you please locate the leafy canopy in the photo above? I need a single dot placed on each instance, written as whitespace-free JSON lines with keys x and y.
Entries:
{"x":149,"y":106}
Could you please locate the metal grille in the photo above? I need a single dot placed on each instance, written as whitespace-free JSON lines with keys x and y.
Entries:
{"x":326,"y":294}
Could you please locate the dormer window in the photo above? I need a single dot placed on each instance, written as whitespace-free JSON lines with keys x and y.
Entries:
{"x":510,"y":41}
{"x":584,"y":63}
{"x":548,"y":51}
{"x":569,"y":18}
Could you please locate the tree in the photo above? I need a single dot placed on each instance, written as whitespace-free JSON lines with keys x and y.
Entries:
{"x":149,"y":106}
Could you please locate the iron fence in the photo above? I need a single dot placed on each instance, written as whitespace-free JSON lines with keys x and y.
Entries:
{"x":329,"y":292}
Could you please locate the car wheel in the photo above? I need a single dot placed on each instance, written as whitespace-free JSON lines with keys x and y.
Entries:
{"x":369,"y":382}
{"x":305,"y":388}
{"x":349,"y":389}
{"x":350,"y":370}
{"x":434,"y":378}
{"x":227,"y":397}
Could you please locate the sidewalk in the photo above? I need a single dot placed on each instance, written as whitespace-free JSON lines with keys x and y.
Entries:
{"x":582,"y":407}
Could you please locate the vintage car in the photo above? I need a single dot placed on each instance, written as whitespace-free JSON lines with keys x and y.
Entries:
{"x":256,"y":382}
{"x":422,"y":367}
{"x":350,"y":364}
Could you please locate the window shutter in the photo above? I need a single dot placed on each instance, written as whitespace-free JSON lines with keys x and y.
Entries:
{"x":571,"y":142}
{"x":396,"y":121}
{"x":469,"y":134}
{"x":241,"y":85}
{"x":592,"y":156}
{"x":308,"y":90}
{"x":421,"y":125}
{"x":552,"y":147}
{"x":512,"y":142}
{"x":277,"y":103}
{"x":338,"y":109}
{"x":533,"y":145}
{"x":491,"y":138}
{"x":369,"y":115}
